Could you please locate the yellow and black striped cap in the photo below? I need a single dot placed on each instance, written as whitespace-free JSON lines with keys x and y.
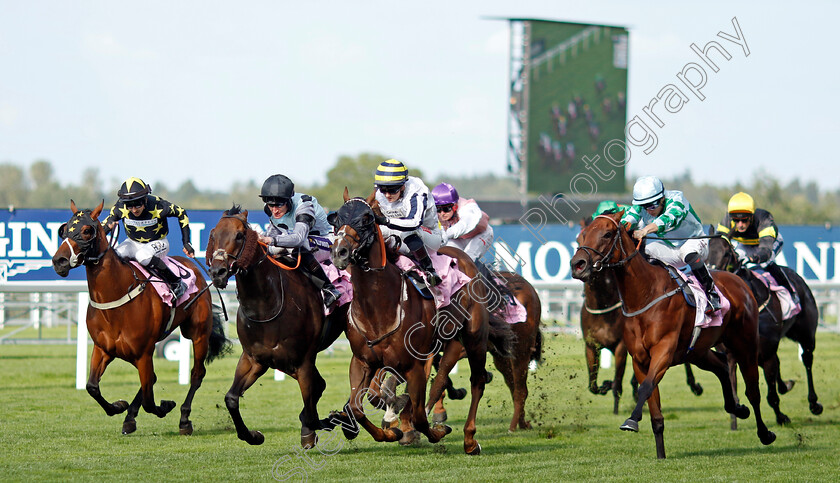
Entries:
{"x":390,"y":173}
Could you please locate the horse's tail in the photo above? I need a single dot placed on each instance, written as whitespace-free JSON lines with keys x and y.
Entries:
{"x":502,"y":338}
{"x":536,"y":354}
{"x":220,"y":345}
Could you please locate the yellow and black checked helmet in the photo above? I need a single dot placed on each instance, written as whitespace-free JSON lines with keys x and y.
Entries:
{"x":133,"y":189}
{"x":390,"y":173}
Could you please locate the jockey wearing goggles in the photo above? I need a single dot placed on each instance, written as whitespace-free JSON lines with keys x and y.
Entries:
{"x":409,"y":214}
{"x":464,"y":225}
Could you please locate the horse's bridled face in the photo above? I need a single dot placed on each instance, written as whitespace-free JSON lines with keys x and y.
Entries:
{"x":227,"y":239}
{"x":343,"y":246}
{"x":68,"y":255}
{"x":598,"y":236}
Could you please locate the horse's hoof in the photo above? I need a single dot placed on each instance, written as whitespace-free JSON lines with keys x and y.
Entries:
{"x":630,"y":425}
{"x":782,"y":419}
{"x":525,"y":425}
{"x":439,"y":418}
{"x":741,"y":411}
{"x":117,"y":407}
{"x":446,"y":429}
{"x":129,"y":427}
{"x":786,"y":386}
{"x":476,"y":451}
{"x":767,"y":438}
{"x":256,"y":438}
{"x":398,"y":434}
{"x":816,"y":408}
{"x":308,"y":440}
{"x":165,"y":407}
{"x":186,"y":429}
{"x":697,"y":389}
{"x":488,"y":377}
{"x":457,"y":394}
{"x":410,"y":438}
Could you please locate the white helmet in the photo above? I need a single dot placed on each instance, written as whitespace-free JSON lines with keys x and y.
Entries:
{"x":647,"y":189}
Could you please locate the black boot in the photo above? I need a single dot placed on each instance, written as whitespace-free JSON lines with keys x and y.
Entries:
{"x":698,"y":268}
{"x":782,"y":279}
{"x":315,"y":272}
{"x":174,"y":281}
{"x":415,"y":244}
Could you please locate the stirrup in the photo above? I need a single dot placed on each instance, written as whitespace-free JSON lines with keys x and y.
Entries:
{"x":432,"y":278}
{"x":331,"y":296}
{"x":714,"y":302}
{"x":179,"y":290}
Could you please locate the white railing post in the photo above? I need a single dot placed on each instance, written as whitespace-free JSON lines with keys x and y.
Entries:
{"x":2,"y":310}
{"x":81,"y":342}
{"x":35,"y":310}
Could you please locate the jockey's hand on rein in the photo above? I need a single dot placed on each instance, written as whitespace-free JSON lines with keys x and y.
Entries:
{"x":188,"y":249}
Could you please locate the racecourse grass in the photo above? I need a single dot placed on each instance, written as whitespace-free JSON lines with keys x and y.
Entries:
{"x":50,"y":431}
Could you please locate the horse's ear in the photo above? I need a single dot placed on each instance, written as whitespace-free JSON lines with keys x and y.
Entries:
{"x":62,"y":231}
{"x":73,"y":207}
{"x":711,"y":229}
{"x":98,"y":210}
{"x":370,"y":199}
{"x":211,"y":247}
{"x":332,"y":219}
{"x":346,"y":194}
{"x":245,"y":215}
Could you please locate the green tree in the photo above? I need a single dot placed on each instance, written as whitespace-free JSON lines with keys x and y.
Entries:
{"x":13,"y":189}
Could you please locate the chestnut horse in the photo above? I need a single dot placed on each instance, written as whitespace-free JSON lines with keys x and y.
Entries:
{"x":126,"y":317}
{"x":280,"y":320}
{"x":658,"y":333}
{"x":391,"y":325}
{"x":602,"y":326}
{"x":801,"y":328}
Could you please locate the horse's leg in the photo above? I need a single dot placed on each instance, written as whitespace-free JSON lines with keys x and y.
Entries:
{"x":146,"y":369}
{"x":770,"y":364}
{"x":248,"y":370}
{"x":807,"y":343}
{"x":620,"y":364}
{"x":716,"y":363}
{"x":695,"y":387}
{"x":733,"y":380}
{"x":360,"y":379}
{"x":451,"y":355}
{"x":593,"y":360}
{"x":200,"y":348}
{"x":748,"y":364}
{"x":660,"y":359}
{"x":312,"y":386}
{"x":507,"y":367}
{"x":416,"y":387}
{"x":130,"y":423}
{"x":476,"y":347}
{"x":657,"y":422}
{"x":99,"y":360}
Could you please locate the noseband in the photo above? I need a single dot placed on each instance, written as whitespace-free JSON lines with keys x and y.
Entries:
{"x":83,"y":219}
{"x":600,"y":264}
{"x":366,"y":234}
{"x":237,"y":263}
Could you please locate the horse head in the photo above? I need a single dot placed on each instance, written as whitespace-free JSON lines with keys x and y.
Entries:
{"x":355,"y":228}
{"x":231,"y":247}
{"x":722,"y":254}
{"x":83,"y":238}
{"x":597,"y":245}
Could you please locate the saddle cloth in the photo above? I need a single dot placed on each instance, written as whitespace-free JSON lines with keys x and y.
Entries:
{"x":697,"y":298}
{"x":162,"y":288}
{"x":789,"y":309}
{"x":341,"y":280}
{"x":447,"y":269}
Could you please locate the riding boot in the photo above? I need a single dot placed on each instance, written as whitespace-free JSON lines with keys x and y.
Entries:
{"x":176,"y":284}
{"x":315,"y":272}
{"x":782,"y":279}
{"x":698,"y":268}
{"x":418,"y":249}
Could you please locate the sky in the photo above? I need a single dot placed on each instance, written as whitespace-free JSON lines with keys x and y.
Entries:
{"x":217,"y":91}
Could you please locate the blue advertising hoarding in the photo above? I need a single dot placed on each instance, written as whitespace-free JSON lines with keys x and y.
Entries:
{"x":28,"y":238}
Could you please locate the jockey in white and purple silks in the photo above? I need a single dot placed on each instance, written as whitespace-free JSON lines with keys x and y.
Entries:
{"x":464,"y":225}
{"x":409,"y":214}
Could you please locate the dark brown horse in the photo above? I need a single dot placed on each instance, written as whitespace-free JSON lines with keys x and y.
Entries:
{"x":391,"y":325}
{"x":527,"y":348}
{"x":659,"y":335}
{"x":280,"y":321}
{"x":602,"y":326}
{"x":801,"y":328}
{"x":136,"y":318}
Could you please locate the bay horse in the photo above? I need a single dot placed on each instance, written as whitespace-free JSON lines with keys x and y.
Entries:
{"x":658,"y":333}
{"x":280,"y":320}
{"x":527,"y":348}
{"x":801,"y":328}
{"x":131,"y":318}
{"x":391,"y":325}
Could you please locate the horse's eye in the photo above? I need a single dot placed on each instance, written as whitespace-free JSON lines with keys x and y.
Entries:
{"x":607,"y":235}
{"x":240,"y":235}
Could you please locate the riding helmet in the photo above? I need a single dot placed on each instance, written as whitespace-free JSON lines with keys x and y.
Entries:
{"x":133,"y":189}
{"x":390,"y":173}
{"x":647,"y":189}
{"x":741,"y":203}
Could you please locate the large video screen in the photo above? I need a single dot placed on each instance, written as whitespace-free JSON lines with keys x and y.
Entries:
{"x":577,"y":102}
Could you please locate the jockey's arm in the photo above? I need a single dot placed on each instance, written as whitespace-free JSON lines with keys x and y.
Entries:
{"x":469,"y":216}
{"x":184,"y":223}
{"x":304,"y":221}
{"x":411,"y":222}
{"x":112,"y":219}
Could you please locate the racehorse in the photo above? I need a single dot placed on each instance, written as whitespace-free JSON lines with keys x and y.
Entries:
{"x":801,"y":328}
{"x":658,"y":331}
{"x":527,"y":348}
{"x":280,"y":320}
{"x":126,"y":318}
{"x":391,"y":325}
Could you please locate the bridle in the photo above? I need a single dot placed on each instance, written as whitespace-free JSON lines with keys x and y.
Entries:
{"x":83,"y":219}
{"x":235,"y":264}
{"x":599,"y":264}
{"x":366,"y":234}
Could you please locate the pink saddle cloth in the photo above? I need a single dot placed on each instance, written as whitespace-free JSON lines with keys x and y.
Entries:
{"x":162,"y":288}
{"x":341,"y":280}
{"x":701,"y":318}
{"x":512,"y":313}
{"x":447,"y":269}
{"x":789,"y":309}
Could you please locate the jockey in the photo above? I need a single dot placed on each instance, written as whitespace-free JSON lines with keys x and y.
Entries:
{"x":144,"y":217}
{"x":297,"y":221}
{"x":464,"y":225}
{"x":608,"y":206}
{"x":667,"y":214}
{"x":409,"y":214}
{"x":756,"y":238}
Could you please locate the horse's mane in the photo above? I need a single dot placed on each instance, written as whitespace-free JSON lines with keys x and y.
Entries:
{"x":234,"y":210}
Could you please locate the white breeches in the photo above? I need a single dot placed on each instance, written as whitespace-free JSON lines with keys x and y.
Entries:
{"x":432,"y":239}
{"x":476,"y":246}
{"x":142,"y":252}
{"x":675,"y":256}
